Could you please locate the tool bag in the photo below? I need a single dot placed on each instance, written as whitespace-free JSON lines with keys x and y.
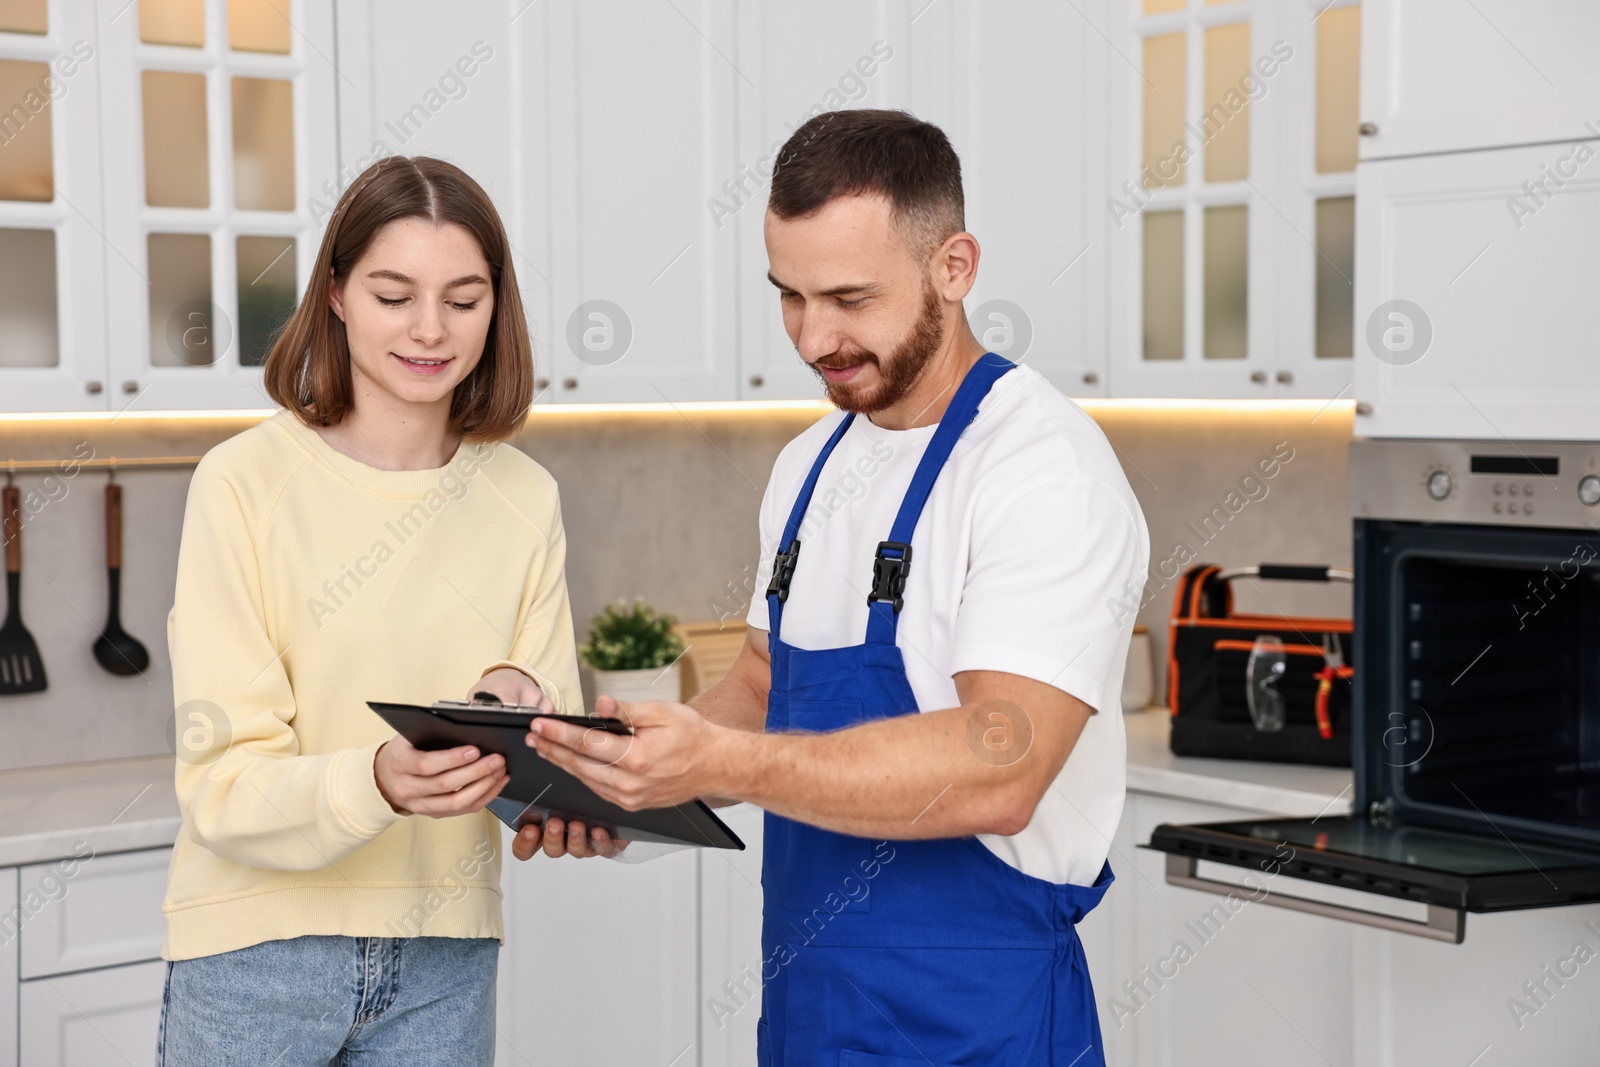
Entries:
{"x":1208,"y":672}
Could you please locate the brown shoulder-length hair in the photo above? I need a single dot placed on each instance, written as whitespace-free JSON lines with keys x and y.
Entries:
{"x":308,"y":369}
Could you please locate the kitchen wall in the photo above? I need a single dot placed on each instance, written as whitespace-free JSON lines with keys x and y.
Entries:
{"x":658,"y":502}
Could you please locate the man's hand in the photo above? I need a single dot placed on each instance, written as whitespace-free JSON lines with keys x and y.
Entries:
{"x":512,"y":687}
{"x":451,"y":781}
{"x":564,"y":840}
{"x":668,"y":760}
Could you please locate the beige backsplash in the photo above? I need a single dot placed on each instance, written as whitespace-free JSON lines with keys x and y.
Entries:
{"x":657,"y":503}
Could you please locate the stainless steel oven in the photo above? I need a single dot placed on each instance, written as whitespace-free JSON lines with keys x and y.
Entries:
{"x":1476,"y":744}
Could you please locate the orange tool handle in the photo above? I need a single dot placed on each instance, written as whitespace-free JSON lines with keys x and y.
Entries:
{"x":1325,"y":679}
{"x":1324,"y":690}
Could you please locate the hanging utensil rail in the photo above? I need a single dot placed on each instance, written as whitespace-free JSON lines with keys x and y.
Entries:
{"x":109,"y":463}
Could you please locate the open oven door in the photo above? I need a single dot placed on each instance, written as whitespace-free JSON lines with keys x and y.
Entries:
{"x":1443,"y":874}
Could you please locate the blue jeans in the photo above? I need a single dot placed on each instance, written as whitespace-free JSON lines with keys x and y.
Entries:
{"x":332,"y":1002}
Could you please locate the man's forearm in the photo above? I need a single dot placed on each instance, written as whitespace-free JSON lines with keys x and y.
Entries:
{"x":909,"y":777}
{"x":735,"y":703}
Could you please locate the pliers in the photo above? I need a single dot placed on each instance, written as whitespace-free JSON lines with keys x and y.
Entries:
{"x":1333,"y":668}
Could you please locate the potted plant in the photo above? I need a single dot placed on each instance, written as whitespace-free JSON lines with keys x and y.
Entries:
{"x":633,"y":652}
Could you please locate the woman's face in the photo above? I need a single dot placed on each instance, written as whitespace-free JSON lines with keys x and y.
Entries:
{"x":416,"y":310}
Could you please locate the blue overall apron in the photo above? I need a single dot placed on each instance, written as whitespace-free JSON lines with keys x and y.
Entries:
{"x":905,"y":953}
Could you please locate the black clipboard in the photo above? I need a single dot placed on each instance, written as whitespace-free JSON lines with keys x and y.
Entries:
{"x":538,"y":788}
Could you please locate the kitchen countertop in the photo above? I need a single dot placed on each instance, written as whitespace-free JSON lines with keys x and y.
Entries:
{"x":112,"y":806}
{"x":127,"y":804}
{"x":1285,"y":789}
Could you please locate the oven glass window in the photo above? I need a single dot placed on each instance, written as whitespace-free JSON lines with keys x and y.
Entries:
{"x":1494,"y":710}
{"x":1414,"y":846}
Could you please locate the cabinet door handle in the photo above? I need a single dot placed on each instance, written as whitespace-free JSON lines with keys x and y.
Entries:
{"x":93,"y":387}
{"x":757,"y":381}
{"x":1258,"y":376}
{"x":1285,"y":377}
{"x":1442,"y":924}
{"x":130,"y":386}
{"x":541,"y":384}
{"x":1368,"y":129}
{"x":1090,"y":378}
{"x":569,"y":383}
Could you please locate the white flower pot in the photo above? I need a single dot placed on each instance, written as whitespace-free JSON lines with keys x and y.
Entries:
{"x":654,"y":683}
{"x":1138,"y":677}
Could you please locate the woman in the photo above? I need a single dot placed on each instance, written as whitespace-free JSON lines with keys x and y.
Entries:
{"x":334,"y":893}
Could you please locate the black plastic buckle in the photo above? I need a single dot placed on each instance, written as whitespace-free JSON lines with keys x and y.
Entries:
{"x":783,"y":572}
{"x":889,"y":574}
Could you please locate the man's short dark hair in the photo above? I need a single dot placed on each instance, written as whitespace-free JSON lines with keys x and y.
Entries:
{"x":862,"y":151}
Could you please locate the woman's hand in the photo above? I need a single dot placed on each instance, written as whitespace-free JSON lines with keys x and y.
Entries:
{"x":512,"y":687}
{"x":567,"y":839}
{"x":446,"y":782}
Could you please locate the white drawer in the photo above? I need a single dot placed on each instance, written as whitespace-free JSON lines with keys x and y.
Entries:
{"x":93,"y":912}
{"x":9,"y":918}
{"x":98,"y":1017}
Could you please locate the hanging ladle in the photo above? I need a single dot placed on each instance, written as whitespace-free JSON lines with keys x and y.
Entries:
{"x":116,"y":651}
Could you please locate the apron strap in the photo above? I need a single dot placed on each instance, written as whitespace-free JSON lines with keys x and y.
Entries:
{"x":788,"y":546}
{"x":893,"y":560}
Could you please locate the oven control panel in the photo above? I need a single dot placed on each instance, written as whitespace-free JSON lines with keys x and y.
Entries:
{"x":1517,"y":483}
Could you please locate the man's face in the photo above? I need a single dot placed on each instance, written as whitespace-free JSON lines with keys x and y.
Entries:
{"x":860,"y":309}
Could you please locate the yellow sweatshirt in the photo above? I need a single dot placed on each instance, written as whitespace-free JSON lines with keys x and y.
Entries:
{"x":308,"y":584}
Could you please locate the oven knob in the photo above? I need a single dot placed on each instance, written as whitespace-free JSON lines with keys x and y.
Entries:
{"x":1589,"y":490}
{"x":1439,"y":484}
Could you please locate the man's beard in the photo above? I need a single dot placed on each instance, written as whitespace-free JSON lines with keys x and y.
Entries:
{"x":897,"y":374}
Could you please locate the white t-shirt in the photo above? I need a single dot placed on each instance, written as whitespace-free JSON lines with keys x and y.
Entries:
{"x":1030,"y":536}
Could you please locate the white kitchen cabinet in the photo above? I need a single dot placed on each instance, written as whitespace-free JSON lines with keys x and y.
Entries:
{"x":1442,"y":76}
{"x":109,"y":1016}
{"x":1270,"y":985}
{"x":1021,"y":89}
{"x":1107,"y":933}
{"x":8,"y":968}
{"x":102,"y":911}
{"x":1493,"y":335}
{"x":122,"y":300}
{"x":1033,"y":192}
{"x":212,"y":153}
{"x":1216,"y":277}
{"x":600,"y":131}
{"x":53,"y":311}
{"x":640,"y":101}
{"x":800,"y":61}
{"x":80,"y":982}
{"x":730,"y":943}
{"x":423,"y":86}
{"x":1428,"y":1002}
{"x":585,"y":929}
{"x":456,"y":91}
{"x":1209,"y":983}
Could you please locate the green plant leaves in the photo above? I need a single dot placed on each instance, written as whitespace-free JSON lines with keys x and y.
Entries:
{"x":631,"y":637}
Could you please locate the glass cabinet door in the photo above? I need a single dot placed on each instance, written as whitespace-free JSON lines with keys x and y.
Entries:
{"x":1231,"y":213}
{"x":1317,"y":335}
{"x":52,"y":326}
{"x":218,"y":125}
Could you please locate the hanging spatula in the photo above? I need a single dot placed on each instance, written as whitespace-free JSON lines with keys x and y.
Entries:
{"x":116,"y":651}
{"x":21,"y":667}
